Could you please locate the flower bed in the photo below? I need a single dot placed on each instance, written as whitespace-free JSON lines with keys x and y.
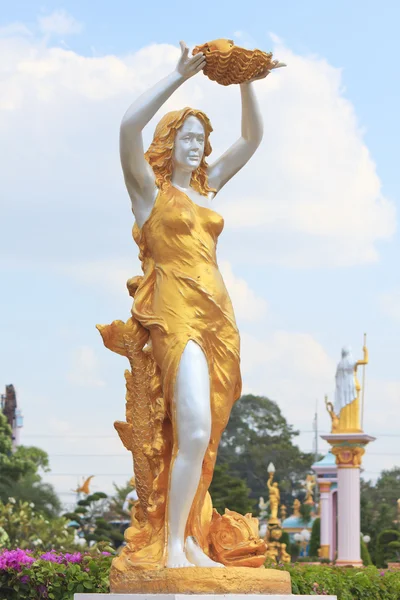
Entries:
{"x":53,"y":575}
{"x":58,"y":576}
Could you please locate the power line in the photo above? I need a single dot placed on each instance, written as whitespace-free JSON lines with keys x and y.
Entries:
{"x":125,"y":454}
{"x":91,"y":437}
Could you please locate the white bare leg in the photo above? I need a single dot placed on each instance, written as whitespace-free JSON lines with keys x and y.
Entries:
{"x":193,"y":423}
{"x":196,"y":555}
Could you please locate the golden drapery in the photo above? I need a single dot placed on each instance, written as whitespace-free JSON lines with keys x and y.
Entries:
{"x":180,"y":297}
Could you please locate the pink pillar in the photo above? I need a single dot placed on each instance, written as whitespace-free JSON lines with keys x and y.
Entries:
{"x":348,"y":449}
{"x":325,"y":514}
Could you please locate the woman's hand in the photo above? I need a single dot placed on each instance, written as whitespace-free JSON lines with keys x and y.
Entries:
{"x":189,"y":66}
{"x":267,"y":71}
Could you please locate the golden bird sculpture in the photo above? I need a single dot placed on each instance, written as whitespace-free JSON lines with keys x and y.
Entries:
{"x":84,"y":488}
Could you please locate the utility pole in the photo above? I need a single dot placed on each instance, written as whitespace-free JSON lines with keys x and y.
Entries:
{"x":315,"y":428}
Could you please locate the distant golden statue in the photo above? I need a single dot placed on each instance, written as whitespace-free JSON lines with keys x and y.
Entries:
{"x":309,"y":485}
{"x":274,"y":496}
{"x":347,"y":392}
{"x":296,"y":508}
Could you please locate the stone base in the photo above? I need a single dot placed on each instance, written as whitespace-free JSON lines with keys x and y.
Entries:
{"x":349,"y":563}
{"x":201,"y":580}
{"x":195,"y":597}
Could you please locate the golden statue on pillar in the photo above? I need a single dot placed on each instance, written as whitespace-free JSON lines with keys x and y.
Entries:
{"x":345,"y":415}
{"x":182,"y":344}
{"x":296,"y":508}
{"x":309,"y":486}
{"x":276,"y":551}
{"x":274,"y":496}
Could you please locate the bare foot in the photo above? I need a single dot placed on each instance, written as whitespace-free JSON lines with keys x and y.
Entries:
{"x":177,"y":557}
{"x":196,"y":555}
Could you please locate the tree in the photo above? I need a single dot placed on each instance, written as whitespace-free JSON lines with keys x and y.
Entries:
{"x":88,"y":519}
{"x":257,"y":433}
{"x":229,"y":492}
{"x":379,"y":508}
{"x":315,"y":540}
{"x":19,"y":474}
{"x":21,"y":526}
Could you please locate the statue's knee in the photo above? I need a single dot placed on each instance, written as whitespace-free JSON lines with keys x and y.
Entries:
{"x":199,"y":439}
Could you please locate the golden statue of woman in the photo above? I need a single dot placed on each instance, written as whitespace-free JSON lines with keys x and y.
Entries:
{"x":181,"y":340}
{"x":274,"y":496}
{"x":347,"y":392}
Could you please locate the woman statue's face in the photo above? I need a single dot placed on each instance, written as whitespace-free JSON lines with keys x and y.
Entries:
{"x":189,"y":144}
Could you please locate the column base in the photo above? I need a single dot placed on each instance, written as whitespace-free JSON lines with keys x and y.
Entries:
{"x":349,"y":563}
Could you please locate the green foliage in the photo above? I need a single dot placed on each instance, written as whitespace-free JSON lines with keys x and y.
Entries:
{"x":305,"y":511}
{"x":26,"y":528}
{"x":256,"y":434}
{"x":285,"y":539}
{"x":315,"y":540}
{"x":347,"y":584}
{"x":365,"y":555}
{"x":229,"y":492}
{"x":19,"y":474}
{"x":89,"y":515}
{"x":379,"y":508}
{"x":58,"y":581}
{"x":384,"y":551}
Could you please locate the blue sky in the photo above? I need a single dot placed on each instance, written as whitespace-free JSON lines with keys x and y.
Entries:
{"x":310,"y":248}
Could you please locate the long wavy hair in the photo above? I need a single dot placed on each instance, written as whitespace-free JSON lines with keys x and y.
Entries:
{"x":159,"y":155}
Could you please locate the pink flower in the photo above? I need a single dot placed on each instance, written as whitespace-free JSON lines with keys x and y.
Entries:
{"x":14,"y":559}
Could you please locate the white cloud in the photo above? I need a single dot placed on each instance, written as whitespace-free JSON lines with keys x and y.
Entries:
{"x":85,"y":368}
{"x":390,"y":303}
{"x":299,"y":201}
{"x":247,"y":305}
{"x":310,"y":197}
{"x":15,"y":30}
{"x":59,"y":22}
{"x":109,"y":275}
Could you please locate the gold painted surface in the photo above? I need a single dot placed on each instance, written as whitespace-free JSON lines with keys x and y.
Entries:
{"x":348,"y":456}
{"x":235,"y":541}
{"x":180,"y":297}
{"x":228,"y":64}
{"x":333,"y":415}
{"x":309,"y":486}
{"x":324,"y":487}
{"x":324,"y":551}
{"x":229,"y":580}
{"x":296,"y":508}
{"x":274,"y":496}
{"x":84,"y":488}
{"x":349,"y":417}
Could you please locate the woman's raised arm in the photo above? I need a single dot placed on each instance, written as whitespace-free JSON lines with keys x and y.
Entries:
{"x":139,"y":176}
{"x":252,"y":132}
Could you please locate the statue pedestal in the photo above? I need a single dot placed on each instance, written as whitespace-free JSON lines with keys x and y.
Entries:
{"x":200,"y":580}
{"x":196,"y":597}
{"x":348,"y":449}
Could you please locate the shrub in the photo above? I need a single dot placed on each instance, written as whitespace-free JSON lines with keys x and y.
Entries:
{"x":383,"y":551}
{"x":315,"y":540}
{"x":348,"y":584}
{"x":53,"y":575}
{"x":22,"y":526}
{"x":365,"y":555}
